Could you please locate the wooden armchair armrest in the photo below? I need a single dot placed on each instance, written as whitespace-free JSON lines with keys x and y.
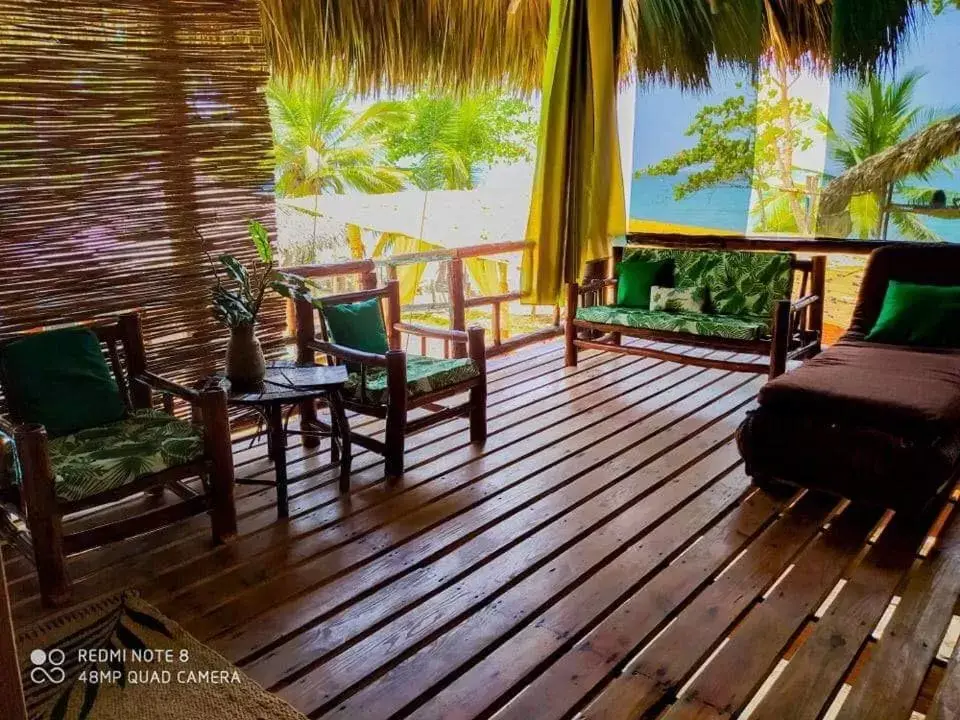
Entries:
{"x":349,"y":354}
{"x":596,"y":284}
{"x":457,"y":336}
{"x":804,"y":302}
{"x":162,"y":385}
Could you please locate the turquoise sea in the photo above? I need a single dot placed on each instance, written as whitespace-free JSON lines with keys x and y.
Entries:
{"x":725,"y":208}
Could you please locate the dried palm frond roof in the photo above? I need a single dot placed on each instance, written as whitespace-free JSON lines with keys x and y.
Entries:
{"x":913,"y":156}
{"x":385,"y":44}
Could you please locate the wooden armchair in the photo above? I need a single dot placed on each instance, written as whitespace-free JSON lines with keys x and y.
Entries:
{"x":145,"y":450}
{"x":391,"y":384}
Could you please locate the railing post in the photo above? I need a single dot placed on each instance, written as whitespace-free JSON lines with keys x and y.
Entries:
{"x":306,"y":331}
{"x":368,"y":280}
{"x":818,"y":287}
{"x":495,"y":323}
{"x":458,"y":313}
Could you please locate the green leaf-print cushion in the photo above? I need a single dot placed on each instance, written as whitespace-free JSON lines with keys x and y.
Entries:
{"x":674,"y":300}
{"x":103,"y":458}
{"x":737,"y":283}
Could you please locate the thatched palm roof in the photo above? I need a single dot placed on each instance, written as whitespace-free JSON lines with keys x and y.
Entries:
{"x":915,"y":155}
{"x":381,"y":44}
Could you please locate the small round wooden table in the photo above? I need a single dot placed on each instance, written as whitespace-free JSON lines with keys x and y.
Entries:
{"x":286,"y":384}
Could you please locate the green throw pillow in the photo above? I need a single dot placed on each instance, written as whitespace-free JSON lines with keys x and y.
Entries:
{"x":636,"y":277}
{"x":61,"y":380}
{"x":922,"y":315}
{"x":358,"y":326}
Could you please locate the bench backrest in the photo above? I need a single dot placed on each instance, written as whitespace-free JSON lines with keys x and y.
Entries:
{"x":737,"y":283}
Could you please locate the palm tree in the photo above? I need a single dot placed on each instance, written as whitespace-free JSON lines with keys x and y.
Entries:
{"x":879,"y":116}
{"x":322,"y":145}
{"x":450,"y":138}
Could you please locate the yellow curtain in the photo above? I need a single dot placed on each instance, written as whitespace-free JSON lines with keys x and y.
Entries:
{"x":408,"y":275}
{"x":486,"y":274}
{"x":577,"y":202}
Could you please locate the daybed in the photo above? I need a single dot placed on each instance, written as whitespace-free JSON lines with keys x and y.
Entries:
{"x":870,"y":419}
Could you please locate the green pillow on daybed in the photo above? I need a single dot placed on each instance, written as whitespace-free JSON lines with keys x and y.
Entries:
{"x":636,"y":277}
{"x":922,"y":315}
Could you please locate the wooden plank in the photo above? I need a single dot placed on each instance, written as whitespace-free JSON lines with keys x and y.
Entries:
{"x":242,"y":644}
{"x":888,"y":685}
{"x":761,"y":243}
{"x":511,"y":378}
{"x":393,"y":691}
{"x":816,"y":671}
{"x":542,"y":482}
{"x":258,"y":510}
{"x":501,"y":490}
{"x":668,"y":660}
{"x":477,"y":689}
{"x":562,"y":521}
{"x":753,"y":649}
{"x":946,"y":701}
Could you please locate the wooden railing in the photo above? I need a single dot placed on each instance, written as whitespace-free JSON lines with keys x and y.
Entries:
{"x":813,"y":245}
{"x":367,"y":273}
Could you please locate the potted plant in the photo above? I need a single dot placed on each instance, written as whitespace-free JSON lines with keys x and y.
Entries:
{"x":237,"y":298}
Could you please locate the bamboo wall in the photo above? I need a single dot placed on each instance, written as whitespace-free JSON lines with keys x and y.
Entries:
{"x":130,"y":129}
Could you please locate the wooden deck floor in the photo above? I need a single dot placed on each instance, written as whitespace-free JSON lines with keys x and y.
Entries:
{"x":603,"y":554}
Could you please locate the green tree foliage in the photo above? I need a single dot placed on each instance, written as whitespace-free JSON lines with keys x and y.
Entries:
{"x":941,"y":6}
{"x":723,"y":149}
{"x":747,"y":142}
{"x":880,"y":115}
{"x":448,"y":139}
{"x":322,"y":145}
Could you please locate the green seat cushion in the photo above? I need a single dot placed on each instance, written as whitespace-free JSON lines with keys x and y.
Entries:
{"x":61,"y":380}
{"x":921,"y":315}
{"x":636,"y":278}
{"x":424,"y":375}
{"x":98,"y":459}
{"x":737,"y":283}
{"x":731,"y":327}
{"x":358,"y":325}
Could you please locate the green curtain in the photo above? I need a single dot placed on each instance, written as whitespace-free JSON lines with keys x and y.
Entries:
{"x":577,"y":202}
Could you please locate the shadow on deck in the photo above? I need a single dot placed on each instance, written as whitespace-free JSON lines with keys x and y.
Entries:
{"x":604,"y":553}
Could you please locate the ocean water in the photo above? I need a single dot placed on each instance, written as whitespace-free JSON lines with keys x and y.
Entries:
{"x":727,"y":208}
{"x":721,"y":208}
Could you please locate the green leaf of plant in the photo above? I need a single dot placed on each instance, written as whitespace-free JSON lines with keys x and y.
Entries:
{"x":261,"y":240}
{"x":236,"y":271}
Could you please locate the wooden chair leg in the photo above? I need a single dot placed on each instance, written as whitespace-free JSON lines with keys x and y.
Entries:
{"x":780,"y":340}
{"x":308,"y":419}
{"x":216,"y":433}
{"x":396,"y":412}
{"x":570,"y":332}
{"x":43,"y":516}
{"x":478,"y":393}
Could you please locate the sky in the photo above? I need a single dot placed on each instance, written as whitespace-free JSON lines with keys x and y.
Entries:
{"x":663,"y":113}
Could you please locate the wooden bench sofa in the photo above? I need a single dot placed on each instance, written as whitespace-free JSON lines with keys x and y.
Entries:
{"x":749,"y":308}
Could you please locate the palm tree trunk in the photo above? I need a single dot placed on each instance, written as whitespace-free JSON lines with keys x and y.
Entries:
{"x":885,"y":212}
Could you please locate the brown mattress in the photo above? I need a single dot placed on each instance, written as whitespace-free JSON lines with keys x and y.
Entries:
{"x":902,"y":391}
